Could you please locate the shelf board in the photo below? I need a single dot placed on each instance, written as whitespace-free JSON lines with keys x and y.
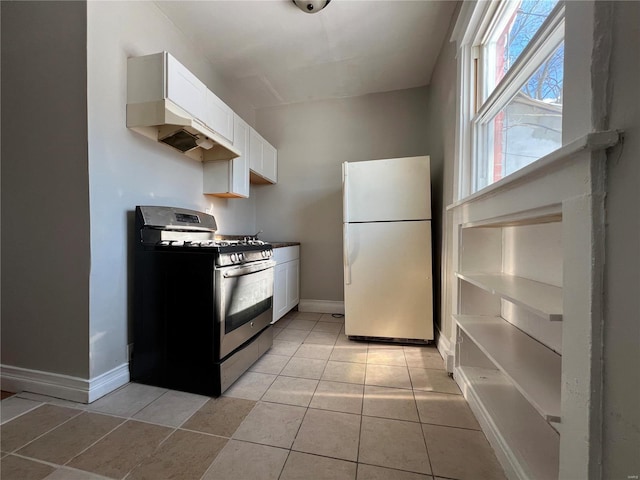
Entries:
{"x":540,"y":298}
{"x":533,"y":368}
{"x":529,"y":444}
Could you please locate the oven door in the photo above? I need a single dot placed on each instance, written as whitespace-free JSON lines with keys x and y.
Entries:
{"x":244,"y":298}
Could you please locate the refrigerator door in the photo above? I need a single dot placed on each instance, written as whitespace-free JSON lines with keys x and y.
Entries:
{"x":388,"y":280}
{"x":387,"y":190}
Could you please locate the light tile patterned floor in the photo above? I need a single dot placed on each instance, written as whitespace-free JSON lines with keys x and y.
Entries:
{"x":316,"y":406}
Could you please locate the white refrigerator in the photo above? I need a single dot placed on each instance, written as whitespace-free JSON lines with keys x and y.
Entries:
{"x":388,"y":289}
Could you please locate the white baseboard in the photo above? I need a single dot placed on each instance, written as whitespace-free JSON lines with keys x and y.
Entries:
{"x":75,"y":389}
{"x":504,"y":454}
{"x":320,"y":306}
{"x":444,"y":347}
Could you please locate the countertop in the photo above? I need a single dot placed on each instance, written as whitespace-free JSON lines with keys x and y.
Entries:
{"x":283,"y":244}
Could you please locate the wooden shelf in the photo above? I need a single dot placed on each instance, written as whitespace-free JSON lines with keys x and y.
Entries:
{"x":533,"y":368}
{"x":530,"y":444}
{"x":540,"y":298}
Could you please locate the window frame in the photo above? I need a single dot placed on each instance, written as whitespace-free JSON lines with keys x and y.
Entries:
{"x":476,"y":26}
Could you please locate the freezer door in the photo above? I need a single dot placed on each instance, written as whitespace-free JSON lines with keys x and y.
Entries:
{"x":387,"y":190}
{"x":390,"y":290}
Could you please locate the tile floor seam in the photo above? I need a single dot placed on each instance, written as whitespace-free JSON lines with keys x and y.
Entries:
{"x":80,"y":412}
{"x":150,"y":454}
{"x":192,"y":414}
{"x":204,"y":474}
{"x":408,"y":471}
{"x":92,"y":444}
{"x":38,"y":460}
{"x":20,"y":414}
{"x":452,"y":426}
{"x":424,"y":439}
{"x":324,"y":456}
{"x":202,"y":433}
{"x":360,"y":433}
{"x":286,"y":459}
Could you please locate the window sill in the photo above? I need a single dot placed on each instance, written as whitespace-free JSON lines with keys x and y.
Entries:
{"x":591,"y":142}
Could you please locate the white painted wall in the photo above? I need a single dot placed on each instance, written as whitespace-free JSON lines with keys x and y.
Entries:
{"x":622,"y":269}
{"x":45,"y":190}
{"x":126,"y":169}
{"x":313,"y":140}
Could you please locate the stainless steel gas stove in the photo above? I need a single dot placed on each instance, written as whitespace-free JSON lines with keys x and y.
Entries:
{"x":202,"y":307}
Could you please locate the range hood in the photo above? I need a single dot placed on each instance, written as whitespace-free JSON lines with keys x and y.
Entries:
{"x":165,"y":122}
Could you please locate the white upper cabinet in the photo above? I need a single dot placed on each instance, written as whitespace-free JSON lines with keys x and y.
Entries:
{"x":240,"y":178}
{"x":160,"y":76}
{"x":270,"y":162}
{"x":185,"y":90}
{"x":230,"y":178}
{"x":219,"y":117}
{"x":264,"y":160}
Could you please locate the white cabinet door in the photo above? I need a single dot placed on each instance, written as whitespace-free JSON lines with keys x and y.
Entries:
{"x":240,"y":174}
{"x":279,"y":291}
{"x":185,"y":90}
{"x":255,"y":151}
{"x":264,"y":159}
{"x":269,"y":162}
{"x":230,"y":178}
{"x":293,"y":283}
{"x":286,"y":286}
{"x":219,"y":117}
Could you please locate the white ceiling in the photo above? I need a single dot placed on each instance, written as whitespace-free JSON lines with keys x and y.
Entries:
{"x":276,"y":54}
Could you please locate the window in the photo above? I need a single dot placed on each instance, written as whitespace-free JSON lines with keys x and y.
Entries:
{"x":515,"y":66}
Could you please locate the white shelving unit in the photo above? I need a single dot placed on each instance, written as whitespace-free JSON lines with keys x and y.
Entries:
{"x":530,"y":366}
{"x":510,"y":304}
{"x":514,"y":419}
{"x":526,"y":309}
{"x":540,"y":298}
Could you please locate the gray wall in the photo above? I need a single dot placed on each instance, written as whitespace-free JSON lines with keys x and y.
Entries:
{"x":441,"y":135}
{"x":45,"y":187}
{"x":74,"y":172}
{"x":127,"y":169}
{"x":313,"y":140}
{"x":622,"y":275}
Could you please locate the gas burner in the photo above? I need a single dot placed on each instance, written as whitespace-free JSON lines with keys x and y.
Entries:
{"x":252,"y":241}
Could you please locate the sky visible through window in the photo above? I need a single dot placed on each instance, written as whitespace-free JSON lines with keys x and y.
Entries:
{"x":546,"y":84}
{"x":529,"y":126}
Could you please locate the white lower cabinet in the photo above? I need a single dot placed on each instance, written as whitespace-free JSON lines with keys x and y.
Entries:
{"x":286,"y":285}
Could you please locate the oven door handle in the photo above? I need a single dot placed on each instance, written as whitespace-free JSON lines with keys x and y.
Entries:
{"x":248,"y":269}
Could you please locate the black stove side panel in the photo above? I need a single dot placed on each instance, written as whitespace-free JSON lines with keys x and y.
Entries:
{"x":174,"y":327}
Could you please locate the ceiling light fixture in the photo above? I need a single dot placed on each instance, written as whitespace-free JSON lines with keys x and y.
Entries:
{"x":311,"y":6}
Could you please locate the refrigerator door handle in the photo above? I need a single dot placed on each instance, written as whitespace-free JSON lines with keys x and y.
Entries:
{"x":345,"y":254}
{"x":345,"y":230}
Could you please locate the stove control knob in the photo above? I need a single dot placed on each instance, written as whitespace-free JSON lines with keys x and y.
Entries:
{"x":240,"y":256}
{"x":233,"y":257}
